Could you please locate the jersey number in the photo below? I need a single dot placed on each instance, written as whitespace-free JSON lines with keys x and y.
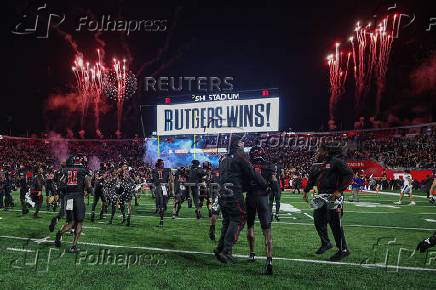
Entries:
{"x":72,"y":177}
{"x":160,"y":174}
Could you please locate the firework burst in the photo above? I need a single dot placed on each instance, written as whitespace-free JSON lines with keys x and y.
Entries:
{"x":119,"y":84}
{"x":338,"y":71}
{"x":89,"y":85}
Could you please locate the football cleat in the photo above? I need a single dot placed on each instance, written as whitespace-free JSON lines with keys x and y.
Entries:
{"x":324,"y":248}
{"x":252,"y":258}
{"x":74,"y":249}
{"x":224,"y":258}
{"x":340,"y":255}
{"x":412,"y":203}
{"x":277,"y":217}
{"x":212,"y":232}
{"x":52,"y":224}
{"x":58,"y":239}
{"x":268,"y":266}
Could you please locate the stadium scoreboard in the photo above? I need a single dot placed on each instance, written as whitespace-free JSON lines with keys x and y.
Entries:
{"x":214,"y":113}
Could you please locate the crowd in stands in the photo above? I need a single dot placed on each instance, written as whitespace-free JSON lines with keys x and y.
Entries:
{"x":390,"y":150}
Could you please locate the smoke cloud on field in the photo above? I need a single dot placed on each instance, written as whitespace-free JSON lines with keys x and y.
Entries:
{"x":58,"y":146}
{"x":93,"y":163}
{"x":173,"y":160}
{"x":424,"y":77}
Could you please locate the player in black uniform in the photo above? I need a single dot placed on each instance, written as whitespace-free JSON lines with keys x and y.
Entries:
{"x":276,"y":193}
{"x":215,"y":207}
{"x":36,"y":190}
{"x":236,"y":172}
{"x":207,"y":167}
{"x":24,"y":188}
{"x":50,"y":190}
{"x":5,"y":187}
{"x":77,"y":179}
{"x":160,"y":179}
{"x":61,"y":193}
{"x":179,"y":190}
{"x":98,"y":192}
{"x":297,"y":183}
{"x":196,"y":179}
{"x":332,"y":177}
{"x":257,"y":203}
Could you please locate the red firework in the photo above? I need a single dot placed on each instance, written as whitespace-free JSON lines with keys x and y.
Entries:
{"x":89,"y":85}
{"x":338,"y":76}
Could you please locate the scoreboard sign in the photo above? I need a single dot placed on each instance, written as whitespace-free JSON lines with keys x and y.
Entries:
{"x":221,"y":115}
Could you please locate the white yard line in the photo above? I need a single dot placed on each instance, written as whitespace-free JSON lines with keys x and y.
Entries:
{"x":20,"y":250}
{"x":306,"y":224}
{"x":241,"y":256}
{"x":308,"y":215}
{"x":363,"y":226}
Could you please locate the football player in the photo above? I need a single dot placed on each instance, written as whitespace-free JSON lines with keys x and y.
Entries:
{"x":179,"y":190}
{"x":60,"y":190}
{"x":50,"y":190}
{"x":98,"y":192}
{"x":160,"y":179}
{"x":257,"y":203}
{"x":24,"y":187}
{"x":196,"y":179}
{"x":36,"y":190}
{"x":215,"y":207}
{"x":77,"y":179}
{"x":407,"y":188}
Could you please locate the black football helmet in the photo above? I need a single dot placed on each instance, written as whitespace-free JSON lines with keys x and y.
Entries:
{"x":159,"y":163}
{"x":257,"y":153}
{"x":207,"y":165}
{"x":77,"y":160}
{"x":195,"y":163}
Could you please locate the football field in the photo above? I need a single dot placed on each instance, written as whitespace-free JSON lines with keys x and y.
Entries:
{"x":382,"y":237}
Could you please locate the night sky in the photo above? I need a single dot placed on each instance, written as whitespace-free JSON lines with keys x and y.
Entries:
{"x":261,"y":44}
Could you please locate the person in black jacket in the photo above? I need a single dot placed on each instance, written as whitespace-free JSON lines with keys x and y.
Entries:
{"x":36,"y":189}
{"x":196,"y":178}
{"x":258,"y":204}
{"x":331,"y":176}
{"x":236,"y":173}
{"x":24,"y":187}
{"x":160,"y":178}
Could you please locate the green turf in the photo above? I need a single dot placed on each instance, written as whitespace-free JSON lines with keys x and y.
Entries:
{"x":371,"y":233}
